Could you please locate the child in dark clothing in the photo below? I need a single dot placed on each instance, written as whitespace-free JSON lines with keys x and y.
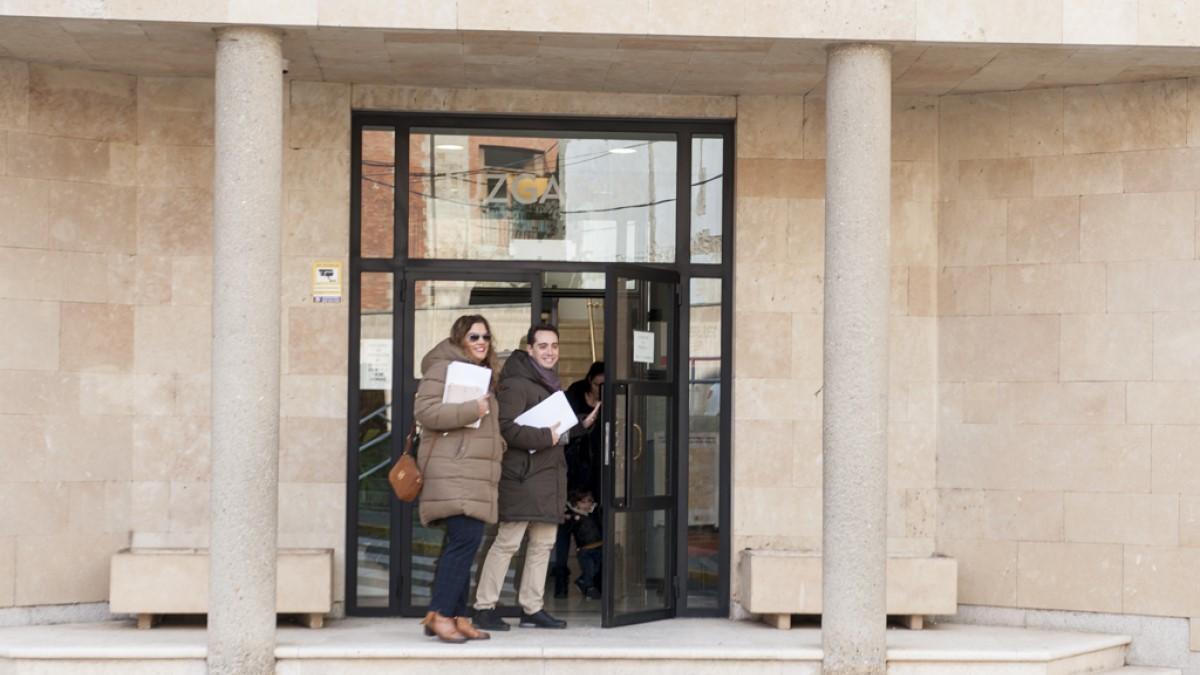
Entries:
{"x":584,"y":523}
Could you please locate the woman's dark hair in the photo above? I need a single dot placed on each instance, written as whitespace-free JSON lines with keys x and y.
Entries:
{"x":458,"y":335}
{"x":596,"y":369}
{"x":537,"y":328}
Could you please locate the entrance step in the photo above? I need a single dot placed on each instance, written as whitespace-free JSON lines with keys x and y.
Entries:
{"x":1140,"y":670}
{"x":693,"y":646}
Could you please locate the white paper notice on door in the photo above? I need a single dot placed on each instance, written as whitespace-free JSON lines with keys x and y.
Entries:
{"x":375,"y":364}
{"x":465,"y":382}
{"x":643,"y":346}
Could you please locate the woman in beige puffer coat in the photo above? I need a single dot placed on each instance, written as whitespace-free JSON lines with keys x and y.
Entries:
{"x":460,"y":466}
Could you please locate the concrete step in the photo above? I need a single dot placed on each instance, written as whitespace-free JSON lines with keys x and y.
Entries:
{"x":693,"y":646}
{"x":1140,"y":670}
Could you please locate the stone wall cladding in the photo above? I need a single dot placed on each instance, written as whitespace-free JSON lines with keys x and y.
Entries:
{"x":106,"y":240}
{"x":778,"y":293}
{"x":1068,"y":436}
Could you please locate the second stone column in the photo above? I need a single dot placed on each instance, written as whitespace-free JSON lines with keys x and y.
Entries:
{"x":857,"y":285}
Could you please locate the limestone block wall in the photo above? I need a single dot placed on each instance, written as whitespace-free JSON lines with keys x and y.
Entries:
{"x":1068,"y":296}
{"x":105,"y":286}
{"x":778,"y":325}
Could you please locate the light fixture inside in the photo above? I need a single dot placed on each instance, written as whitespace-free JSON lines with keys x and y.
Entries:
{"x":448,"y":146}
{"x":622,"y":151}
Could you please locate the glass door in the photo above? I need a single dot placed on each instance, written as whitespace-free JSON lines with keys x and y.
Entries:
{"x":641,"y":436}
{"x":432,"y":301}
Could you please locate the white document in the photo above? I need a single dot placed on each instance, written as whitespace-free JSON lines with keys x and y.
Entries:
{"x":465,"y":382}
{"x":375,"y":364}
{"x":553,"y":410}
{"x":643,"y":347}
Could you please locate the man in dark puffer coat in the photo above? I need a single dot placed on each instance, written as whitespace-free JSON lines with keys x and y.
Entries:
{"x":533,"y":485}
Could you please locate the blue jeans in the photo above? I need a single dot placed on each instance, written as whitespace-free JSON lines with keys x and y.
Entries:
{"x":452,"y":581}
{"x":590,"y":560}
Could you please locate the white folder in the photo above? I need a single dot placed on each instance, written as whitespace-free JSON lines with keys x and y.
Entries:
{"x":465,"y":382}
{"x":554,"y":409}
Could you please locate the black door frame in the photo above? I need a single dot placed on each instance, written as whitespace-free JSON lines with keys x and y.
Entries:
{"x":670,"y":502}
{"x":401,"y":267}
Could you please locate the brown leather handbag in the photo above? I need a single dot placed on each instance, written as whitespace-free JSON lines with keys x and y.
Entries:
{"x":404,"y":476}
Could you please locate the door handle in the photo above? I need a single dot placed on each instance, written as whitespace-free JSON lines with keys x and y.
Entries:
{"x":641,"y":442}
{"x":607,"y":442}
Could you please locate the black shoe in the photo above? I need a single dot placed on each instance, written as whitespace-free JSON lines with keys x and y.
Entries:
{"x":488,"y":619}
{"x":560,"y":587}
{"x":540,"y":619}
{"x":593,"y":593}
{"x":583,"y":588}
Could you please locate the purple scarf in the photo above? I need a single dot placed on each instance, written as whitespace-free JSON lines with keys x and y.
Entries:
{"x":548,"y":377}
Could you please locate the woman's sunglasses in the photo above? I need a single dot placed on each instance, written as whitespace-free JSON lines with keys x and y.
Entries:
{"x":476,"y":337}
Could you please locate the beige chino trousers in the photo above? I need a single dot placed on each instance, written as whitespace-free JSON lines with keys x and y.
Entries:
{"x":537,"y":560}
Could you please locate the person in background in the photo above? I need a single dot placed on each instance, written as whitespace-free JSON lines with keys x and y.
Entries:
{"x":460,"y":467}
{"x":533,"y":485}
{"x":583,"y":522}
{"x":583,"y":459}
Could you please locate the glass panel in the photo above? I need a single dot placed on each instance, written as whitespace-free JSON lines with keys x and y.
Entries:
{"x":374,"y":438}
{"x":542,"y":195}
{"x":643,"y":330}
{"x":704,"y":443}
{"x":639,"y":561}
{"x":574,"y":280}
{"x":708,"y":162}
{"x":649,"y":439}
{"x":505,"y":304}
{"x":580,"y":323}
{"x":378,"y":192}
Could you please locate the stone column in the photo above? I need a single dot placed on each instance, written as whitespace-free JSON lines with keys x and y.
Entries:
{"x":247,"y":193}
{"x":857,"y":287}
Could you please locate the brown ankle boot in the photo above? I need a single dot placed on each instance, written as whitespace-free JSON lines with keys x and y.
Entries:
{"x":464,"y":626}
{"x":443,"y":628}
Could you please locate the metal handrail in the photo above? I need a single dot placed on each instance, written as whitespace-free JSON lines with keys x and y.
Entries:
{"x":378,"y":411}
{"x":375,"y":468}
{"x":375,"y":441}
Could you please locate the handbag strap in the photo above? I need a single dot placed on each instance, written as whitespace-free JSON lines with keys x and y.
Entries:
{"x":408,"y":440}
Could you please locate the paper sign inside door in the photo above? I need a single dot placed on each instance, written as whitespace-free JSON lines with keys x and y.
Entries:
{"x":375,"y":364}
{"x":643,"y":347}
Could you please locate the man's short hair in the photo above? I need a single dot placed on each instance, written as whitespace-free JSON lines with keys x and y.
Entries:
{"x":537,"y":328}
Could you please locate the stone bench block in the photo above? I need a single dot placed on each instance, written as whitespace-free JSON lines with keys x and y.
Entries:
{"x":779,"y":583}
{"x":152,"y":581}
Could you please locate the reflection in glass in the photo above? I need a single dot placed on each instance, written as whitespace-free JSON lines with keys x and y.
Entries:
{"x":378,"y":192}
{"x":708,"y":158}
{"x":639,"y":544}
{"x":649,"y":441}
{"x":497,"y":195}
{"x":704,"y":443}
{"x":374,"y":438}
{"x":507,"y":305}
